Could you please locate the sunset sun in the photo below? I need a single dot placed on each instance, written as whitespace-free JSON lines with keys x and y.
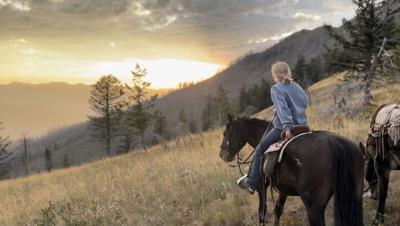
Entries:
{"x":162,"y":73}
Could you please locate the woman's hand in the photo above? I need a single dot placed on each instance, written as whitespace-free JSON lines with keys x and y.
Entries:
{"x":288,"y":134}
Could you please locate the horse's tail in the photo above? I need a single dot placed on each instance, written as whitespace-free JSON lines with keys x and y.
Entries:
{"x":347,"y":176}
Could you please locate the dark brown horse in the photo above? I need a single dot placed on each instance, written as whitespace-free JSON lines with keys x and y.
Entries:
{"x":315,"y":167}
{"x":378,"y":166}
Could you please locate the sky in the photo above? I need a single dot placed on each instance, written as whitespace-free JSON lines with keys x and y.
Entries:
{"x":78,"y":41}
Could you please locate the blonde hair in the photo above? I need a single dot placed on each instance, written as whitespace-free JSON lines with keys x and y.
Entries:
{"x":281,"y":72}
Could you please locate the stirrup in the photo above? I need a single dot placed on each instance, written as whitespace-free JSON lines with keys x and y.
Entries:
{"x":240,"y":179}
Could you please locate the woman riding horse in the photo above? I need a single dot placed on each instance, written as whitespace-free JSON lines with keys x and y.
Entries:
{"x":314,"y":166}
{"x":290,"y":103}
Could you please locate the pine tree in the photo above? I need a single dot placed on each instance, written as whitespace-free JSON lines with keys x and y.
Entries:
{"x":183,"y":122}
{"x":48,"y":156}
{"x":253,"y":96}
{"x":192,"y":124}
{"x":220,"y":107}
{"x":137,"y":117}
{"x":160,"y":124}
{"x":243,"y":99}
{"x":264,"y":95}
{"x":206,"y":115}
{"x":299,"y":71}
{"x":26,"y":161}
{"x":4,"y":141}
{"x":314,"y":70}
{"x":256,"y":98}
{"x":372,"y":30}
{"x":105,"y":101}
{"x":182,"y":116}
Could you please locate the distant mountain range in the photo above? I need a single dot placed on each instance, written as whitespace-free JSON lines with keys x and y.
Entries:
{"x":34,"y":109}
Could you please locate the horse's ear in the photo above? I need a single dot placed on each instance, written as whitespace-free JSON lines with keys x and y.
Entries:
{"x":362,"y":148}
{"x":231,"y":118}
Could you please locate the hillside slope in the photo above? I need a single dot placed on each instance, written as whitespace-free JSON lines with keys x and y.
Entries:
{"x":181,"y":183}
{"x":247,"y":71}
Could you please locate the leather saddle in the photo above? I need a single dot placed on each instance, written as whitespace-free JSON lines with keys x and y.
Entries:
{"x":294,"y":131}
{"x":274,"y":153}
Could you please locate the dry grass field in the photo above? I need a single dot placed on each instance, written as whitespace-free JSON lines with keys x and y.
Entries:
{"x":181,"y":183}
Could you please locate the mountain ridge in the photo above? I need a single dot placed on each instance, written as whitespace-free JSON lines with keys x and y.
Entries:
{"x":246,"y":71}
{"x":56,"y":104}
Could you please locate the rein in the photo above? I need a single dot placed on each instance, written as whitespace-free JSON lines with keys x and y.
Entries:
{"x":240,"y":162}
{"x":248,"y":160}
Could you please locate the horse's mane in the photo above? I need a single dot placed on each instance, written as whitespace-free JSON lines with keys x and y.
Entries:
{"x":256,"y":121}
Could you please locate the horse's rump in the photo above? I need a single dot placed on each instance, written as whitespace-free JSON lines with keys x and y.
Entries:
{"x":327,"y":161}
{"x":314,"y":152}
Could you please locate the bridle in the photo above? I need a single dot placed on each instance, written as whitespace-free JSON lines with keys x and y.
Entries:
{"x":239,"y":161}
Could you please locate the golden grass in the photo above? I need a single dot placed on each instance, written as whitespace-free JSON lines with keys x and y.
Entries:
{"x":184,"y":184}
{"x":187,"y":183}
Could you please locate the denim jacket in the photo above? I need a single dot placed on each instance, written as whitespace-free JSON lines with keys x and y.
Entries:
{"x":290,"y":103}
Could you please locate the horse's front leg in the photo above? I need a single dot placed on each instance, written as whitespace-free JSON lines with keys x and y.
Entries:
{"x":383,"y":174}
{"x":279,"y":207}
{"x":372,"y":179}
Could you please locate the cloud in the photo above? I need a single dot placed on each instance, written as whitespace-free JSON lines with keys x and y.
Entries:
{"x":199,"y":29}
{"x":22,"y":40}
{"x":161,"y":23}
{"x":92,"y":6}
{"x":22,"y":6}
{"x":273,"y":38}
{"x":314,"y":17}
{"x":28,"y":51}
{"x":112,"y":44}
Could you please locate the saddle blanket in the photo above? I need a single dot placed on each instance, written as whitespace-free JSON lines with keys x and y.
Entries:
{"x":276,"y":147}
{"x":387,"y":114}
{"x":281,"y":145}
{"x":388,"y":117}
{"x":295,"y":132}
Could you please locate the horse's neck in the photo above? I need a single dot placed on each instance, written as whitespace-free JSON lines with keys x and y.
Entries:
{"x":254,"y":134}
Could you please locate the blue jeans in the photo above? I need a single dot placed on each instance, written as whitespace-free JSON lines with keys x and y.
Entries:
{"x":267,"y":140}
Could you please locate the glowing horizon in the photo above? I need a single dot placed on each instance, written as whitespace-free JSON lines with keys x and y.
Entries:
{"x":162,"y":73}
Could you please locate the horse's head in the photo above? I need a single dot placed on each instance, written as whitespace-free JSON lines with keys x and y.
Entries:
{"x":368,"y":150}
{"x":233,"y":140}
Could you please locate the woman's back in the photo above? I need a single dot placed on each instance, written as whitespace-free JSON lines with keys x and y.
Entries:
{"x":290,"y":102}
